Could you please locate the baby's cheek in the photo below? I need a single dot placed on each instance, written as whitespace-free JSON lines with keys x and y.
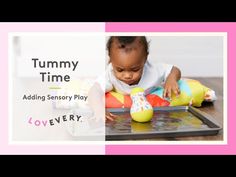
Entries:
{"x":119,"y":75}
{"x":138,"y":75}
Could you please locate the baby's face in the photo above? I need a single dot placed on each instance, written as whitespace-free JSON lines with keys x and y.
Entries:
{"x":128,"y":64}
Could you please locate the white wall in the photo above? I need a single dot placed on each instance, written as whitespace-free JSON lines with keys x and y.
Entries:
{"x":195,"y":55}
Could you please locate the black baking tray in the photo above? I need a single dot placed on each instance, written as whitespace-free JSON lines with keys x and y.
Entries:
{"x":167,"y":122}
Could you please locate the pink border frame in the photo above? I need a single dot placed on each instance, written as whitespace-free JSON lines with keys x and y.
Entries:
{"x":5,"y":28}
{"x":230,"y":28}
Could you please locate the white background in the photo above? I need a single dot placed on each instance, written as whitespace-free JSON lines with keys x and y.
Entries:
{"x":200,"y":56}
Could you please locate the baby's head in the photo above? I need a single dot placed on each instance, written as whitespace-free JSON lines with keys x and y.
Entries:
{"x":128,"y":55}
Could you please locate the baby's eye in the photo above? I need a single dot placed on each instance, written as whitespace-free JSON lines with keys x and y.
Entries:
{"x":136,"y":69}
{"x":119,"y":70}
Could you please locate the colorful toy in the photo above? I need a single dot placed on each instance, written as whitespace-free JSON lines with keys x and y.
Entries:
{"x":192,"y":93}
{"x":141,"y":110}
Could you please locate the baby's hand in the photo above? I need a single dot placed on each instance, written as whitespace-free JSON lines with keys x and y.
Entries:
{"x":171,"y":85}
{"x":110,"y":116}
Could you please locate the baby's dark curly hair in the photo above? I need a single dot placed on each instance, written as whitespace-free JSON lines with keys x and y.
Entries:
{"x":126,"y":40}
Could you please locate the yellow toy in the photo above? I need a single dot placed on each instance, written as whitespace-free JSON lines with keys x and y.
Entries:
{"x":193,"y":93}
{"x":141,"y":110}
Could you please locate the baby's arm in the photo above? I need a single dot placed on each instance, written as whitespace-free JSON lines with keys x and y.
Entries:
{"x":171,"y":83}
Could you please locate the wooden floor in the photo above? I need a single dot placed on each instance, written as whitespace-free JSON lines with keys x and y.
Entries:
{"x":214,"y":109}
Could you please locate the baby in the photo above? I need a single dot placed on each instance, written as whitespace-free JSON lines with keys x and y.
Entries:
{"x":128,"y":68}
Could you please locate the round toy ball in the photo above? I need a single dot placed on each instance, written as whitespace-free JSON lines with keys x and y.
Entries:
{"x":141,"y":110}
